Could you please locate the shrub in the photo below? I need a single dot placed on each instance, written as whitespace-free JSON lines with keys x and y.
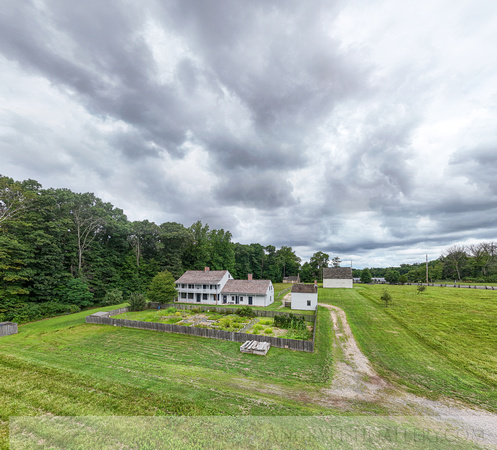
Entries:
{"x":290,"y":321}
{"x":76,"y":292}
{"x":303,"y":335}
{"x":246,"y":311}
{"x":386,"y":297}
{"x":421,"y":288}
{"x":266,"y":321}
{"x":171,"y":310}
{"x":71,"y":309}
{"x":268,"y":330}
{"x":162,"y":288}
{"x":112,"y":297}
{"x":137,"y":302}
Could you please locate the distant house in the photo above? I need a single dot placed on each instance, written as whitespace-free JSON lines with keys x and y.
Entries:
{"x":216,"y":287}
{"x":337,"y":277}
{"x":374,"y":280}
{"x":305,"y":296}
{"x":291,"y":279}
{"x":378,"y":280}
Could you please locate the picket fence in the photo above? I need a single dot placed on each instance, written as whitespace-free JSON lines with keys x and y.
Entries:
{"x":292,"y":344}
{"x":227,"y":310}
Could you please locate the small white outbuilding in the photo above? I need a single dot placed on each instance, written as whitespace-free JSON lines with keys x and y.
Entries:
{"x":305,"y":296}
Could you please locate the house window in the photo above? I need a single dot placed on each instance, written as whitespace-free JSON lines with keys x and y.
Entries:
{"x":225,"y":298}
{"x":183,"y":286}
{"x":212,"y":286}
{"x":183,"y":295}
{"x":241,"y":299}
{"x":190,"y":286}
{"x":204,"y":296}
{"x":308,"y":303}
{"x":250,"y":300}
{"x":190,"y":295}
{"x":204,"y":286}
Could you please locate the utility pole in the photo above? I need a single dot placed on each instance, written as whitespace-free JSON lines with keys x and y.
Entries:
{"x":427,"y":269}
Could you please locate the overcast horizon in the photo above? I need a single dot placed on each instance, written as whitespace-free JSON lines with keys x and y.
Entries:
{"x":366,"y":130}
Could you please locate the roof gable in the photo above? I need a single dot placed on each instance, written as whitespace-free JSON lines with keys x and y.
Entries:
{"x":202,"y":276}
{"x":337,"y":273}
{"x":246,"y":287}
{"x":304,"y":289}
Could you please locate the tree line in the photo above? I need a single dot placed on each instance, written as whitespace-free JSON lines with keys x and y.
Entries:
{"x":61,"y":251}
{"x":471,"y":263}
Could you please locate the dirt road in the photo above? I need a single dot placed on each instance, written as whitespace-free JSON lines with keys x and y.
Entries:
{"x":354,"y":379}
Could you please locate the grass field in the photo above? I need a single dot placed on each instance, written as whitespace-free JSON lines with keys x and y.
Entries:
{"x":441,"y":342}
{"x":62,"y":366}
{"x":438,"y":343}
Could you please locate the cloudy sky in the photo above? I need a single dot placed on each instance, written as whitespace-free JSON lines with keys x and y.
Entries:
{"x":364,"y":129}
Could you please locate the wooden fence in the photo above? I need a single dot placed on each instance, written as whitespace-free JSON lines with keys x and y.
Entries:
{"x":293,"y":344}
{"x":227,"y":310}
{"x":8,"y":328}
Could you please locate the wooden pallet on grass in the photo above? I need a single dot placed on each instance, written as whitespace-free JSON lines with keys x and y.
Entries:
{"x":255,"y":347}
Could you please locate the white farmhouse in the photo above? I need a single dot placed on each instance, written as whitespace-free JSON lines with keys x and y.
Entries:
{"x":337,"y":277}
{"x":248,"y":292}
{"x":305,"y":296}
{"x":214,"y":287}
{"x":202,"y":286}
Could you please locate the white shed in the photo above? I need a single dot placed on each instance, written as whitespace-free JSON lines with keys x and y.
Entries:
{"x":305,"y":296}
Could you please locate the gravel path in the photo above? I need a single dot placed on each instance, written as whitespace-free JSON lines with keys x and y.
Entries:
{"x":355,"y":379}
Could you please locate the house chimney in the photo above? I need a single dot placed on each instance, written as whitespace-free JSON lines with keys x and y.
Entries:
{"x":250,"y":277}
{"x":206,"y":269}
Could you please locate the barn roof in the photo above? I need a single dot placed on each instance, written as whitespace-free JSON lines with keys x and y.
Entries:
{"x":337,"y":273}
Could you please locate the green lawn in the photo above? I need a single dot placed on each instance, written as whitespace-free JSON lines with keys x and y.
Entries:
{"x":441,"y":342}
{"x":63,"y":366}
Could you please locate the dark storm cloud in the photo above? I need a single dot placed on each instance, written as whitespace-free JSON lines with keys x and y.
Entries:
{"x":252,"y":190}
{"x":275,"y":60}
{"x":477,"y":165}
{"x":263,"y":113}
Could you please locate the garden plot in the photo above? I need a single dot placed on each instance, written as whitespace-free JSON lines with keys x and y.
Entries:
{"x":267,"y":327}
{"x":189,"y":318}
{"x":287,"y":327}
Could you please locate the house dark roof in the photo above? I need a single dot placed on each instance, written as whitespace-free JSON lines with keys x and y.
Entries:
{"x":201,"y":276}
{"x":246,"y":287}
{"x":295,"y":278}
{"x":304,"y":289}
{"x":337,"y":273}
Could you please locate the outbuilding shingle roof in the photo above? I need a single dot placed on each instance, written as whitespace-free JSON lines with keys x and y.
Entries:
{"x":246,"y":287}
{"x":202,"y":276}
{"x":337,"y":273}
{"x":304,"y":289}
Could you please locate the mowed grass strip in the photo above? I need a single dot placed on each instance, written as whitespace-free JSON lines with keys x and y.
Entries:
{"x":88,"y":348}
{"x":438,"y":343}
{"x":63,"y":366}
